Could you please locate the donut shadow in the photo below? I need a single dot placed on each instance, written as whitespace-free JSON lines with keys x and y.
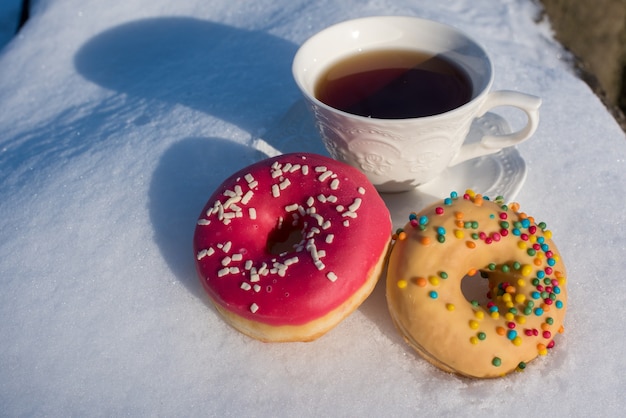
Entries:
{"x":375,"y":310}
{"x":186,"y":176}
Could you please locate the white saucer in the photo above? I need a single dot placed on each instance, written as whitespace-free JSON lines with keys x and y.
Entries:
{"x":500,"y":174}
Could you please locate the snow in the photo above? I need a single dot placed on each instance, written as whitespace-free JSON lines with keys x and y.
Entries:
{"x":118,"y":120}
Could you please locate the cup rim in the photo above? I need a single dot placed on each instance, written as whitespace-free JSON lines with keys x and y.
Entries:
{"x":296,"y":72}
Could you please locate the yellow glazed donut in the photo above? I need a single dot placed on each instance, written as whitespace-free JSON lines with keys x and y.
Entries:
{"x":460,"y":237}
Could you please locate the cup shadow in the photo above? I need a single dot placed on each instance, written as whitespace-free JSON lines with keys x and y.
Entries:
{"x":204,"y":65}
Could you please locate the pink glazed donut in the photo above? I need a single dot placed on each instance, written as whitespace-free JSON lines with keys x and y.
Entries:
{"x":288,"y":247}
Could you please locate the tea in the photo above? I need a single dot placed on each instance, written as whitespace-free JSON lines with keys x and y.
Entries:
{"x":394,"y":84}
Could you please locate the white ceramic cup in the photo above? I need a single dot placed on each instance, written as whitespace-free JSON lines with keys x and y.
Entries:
{"x":401,"y":154}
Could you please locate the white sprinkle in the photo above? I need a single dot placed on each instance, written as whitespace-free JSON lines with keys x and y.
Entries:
{"x":361,"y":190}
{"x":291,"y":261}
{"x":325,"y":175}
{"x":287,"y":167}
{"x":238,"y":190}
{"x":253,"y":184}
{"x":252,"y":213}
{"x":246,"y":286}
{"x":255,"y":277}
{"x":291,"y":208}
{"x":235,"y":208}
{"x":321,"y":198}
{"x":246,"y":198}
{"x":310,"y":201}
{"x":277,"y":173}
{"x":237,"y":257}
{"x":349,"y":214}
{"x":320,"y":169}
{"x":305,"y":169}
{"x":321,"y":253}
{"x":226,"y":247}
{"x":284,"y":184}
{"x":313,"y":251}
{"x":210,"y":251}
{"x":340,"y":208}
{"x":318,"y":218}
{"x":256,"y":287}
{"x":249,"y":178}
{"x":223,"y":272}
{"x":248,"y":265}
{"x":326,"y":225}
{"x":295,"y":168}
{"x":334,"y":185}
{"x":201,"y":254}
{"x":234,"y":270}
{"x":228,"y":215}
{"x":276,"y":165}
{"x":275,"y":190}
{"x":229,"y":193}
{"x":331,"y":276}
{"x":355,"y":205}
{"x":320,"y":266}
{"x":239,"y":214}
{"x":346,"y":223}
{"x":204,"y":221}
{"x":330,"y":238}
{"x":254,"y":307}
{"x":263,"y":269}
{"x":226,"y":260}
{"x":332,"y":198}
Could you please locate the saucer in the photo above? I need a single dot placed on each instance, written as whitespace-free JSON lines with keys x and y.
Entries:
{"x":499,"y":174}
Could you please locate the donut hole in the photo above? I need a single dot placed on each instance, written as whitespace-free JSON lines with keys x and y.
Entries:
{"x":475,"y":288}
{"x":285,"y":237}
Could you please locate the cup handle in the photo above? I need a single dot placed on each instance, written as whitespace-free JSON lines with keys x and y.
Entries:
{"x":490,"y":144}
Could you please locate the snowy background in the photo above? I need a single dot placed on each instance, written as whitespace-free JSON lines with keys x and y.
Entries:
{"x":117,"y":121}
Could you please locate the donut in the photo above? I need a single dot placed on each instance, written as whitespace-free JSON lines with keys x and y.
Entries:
{"x":493,"y":247}
{"x":289,"y":246}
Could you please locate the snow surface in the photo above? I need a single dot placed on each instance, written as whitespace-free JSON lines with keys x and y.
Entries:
{"x":118,"y":120}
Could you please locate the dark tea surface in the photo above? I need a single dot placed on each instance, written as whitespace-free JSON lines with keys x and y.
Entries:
{"x":394,"y":85}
